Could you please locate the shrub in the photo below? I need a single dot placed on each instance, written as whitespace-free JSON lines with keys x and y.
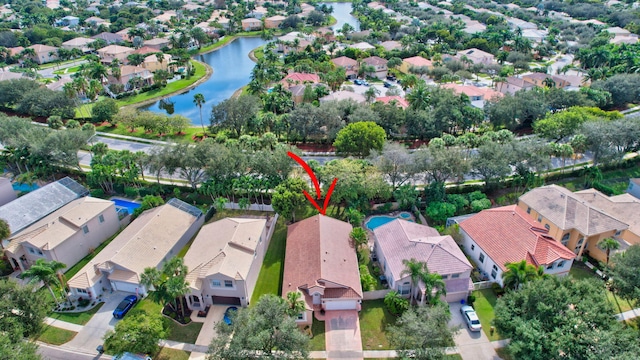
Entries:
{"x":476,"y":195}
{"x":604,"y":188}
{"x":131,"y":192}
{"x":479,"y":205}
{"x":471,"y":299}
{"x":82,"y":302}
{"x":98,"y":193}
{"x":367,"y":281}
{"x":497,"y":289}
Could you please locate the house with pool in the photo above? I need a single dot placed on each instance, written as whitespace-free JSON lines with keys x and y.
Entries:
{"x":398,"y":240}
{"x":151,"y":239}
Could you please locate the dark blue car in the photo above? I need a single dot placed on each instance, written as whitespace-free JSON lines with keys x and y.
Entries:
{"x":227,"y":314}
{"x":124,"y":306}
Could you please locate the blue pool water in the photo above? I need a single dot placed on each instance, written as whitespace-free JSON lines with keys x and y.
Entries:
{"x":376,"y":221}
{"x":405,"y":215}
{"x":129,"y":205}
{"x":24,"y":187}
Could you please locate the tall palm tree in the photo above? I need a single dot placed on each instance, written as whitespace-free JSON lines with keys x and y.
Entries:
{"x":413,"y":268}
{"x":607,"y":245}
{"x":295,"y":304}
{"x":518,"y":274}
{"x":432,"y":281}
{"x":45,"y":271}
{"x":419,"y":97}
{"x":199,"y":100}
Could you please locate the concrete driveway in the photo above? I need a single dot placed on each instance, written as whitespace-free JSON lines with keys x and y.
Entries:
{"x":342,"y":334}
{"x":91,"y":335}
{"x":208,"y":331}
{"x":471,"y":345}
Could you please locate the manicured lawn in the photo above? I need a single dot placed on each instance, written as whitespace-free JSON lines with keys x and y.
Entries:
{"x":186,"y":135}
{"x":484,"y":304}
{"x":56,"y":336}
{"x":317,"y":342}
{"x":504,"y":353}
{"x":580,"y":271}
{"x":76,"y":318}
{"x":176,"y":332}
{"x":224,"y":41}
{"x":616,"y":179}
{"x":67,"y":70}
{"x":374,"y":319}
{"x":270,"y":278}
{"x":201,"y":70}
{"x":172,"y":354}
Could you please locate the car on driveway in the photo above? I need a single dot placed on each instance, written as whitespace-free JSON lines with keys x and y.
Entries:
{"x":471,"y":318}
{"x":387,"y":84}
{"x":124,"y":306}
{"x":357,"y":82}
{"x":227,"y":314}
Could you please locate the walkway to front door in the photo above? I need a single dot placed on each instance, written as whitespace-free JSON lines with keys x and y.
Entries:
{"x":342,"y":334}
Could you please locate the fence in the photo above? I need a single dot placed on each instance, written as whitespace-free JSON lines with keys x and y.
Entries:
{"x":376,"y":294}
{"x":482,"y":285}
{"x":252,"y":207}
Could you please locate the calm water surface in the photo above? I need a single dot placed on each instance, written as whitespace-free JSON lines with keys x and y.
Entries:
{"x":342,"y":13}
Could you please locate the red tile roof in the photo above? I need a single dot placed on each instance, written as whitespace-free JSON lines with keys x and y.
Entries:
{"x":320,"y":253}
{"x":507,"y":234}
{"x":301,"y":78}
{"x":471,"y":91}
{"x":418,"y":61}
{"x":344,"y":61}
{"x":400,"y":101}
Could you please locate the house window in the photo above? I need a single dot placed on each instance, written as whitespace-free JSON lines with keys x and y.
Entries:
{"x":405,"y":288}
{"x":85,"y":229}
{"x":101,"y":218}
{"x":618,"y":233}
{"x":445,"y":277}
{"x":81,"y":291}
{"x":31,"y":250}
{"x":560,"y":264}
{"x":494,"y":272}
{"x":215,"y":283}
{"x":550,"y":266}
{"x":39,"y":252}
{"x":473,"y":247}
{"x":546,"y":226}
{"x":481,"y":258}
{"x":455,"y":276}
{"x":565,"y":239}
{"x":228,"y":283}
{"x":301,"y":316}
{"x":539,"y":218}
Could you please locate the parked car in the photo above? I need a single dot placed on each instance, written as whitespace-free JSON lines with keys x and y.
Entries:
{"x":365,"y":83}
{"x":391,"y":78}
{"x":357,"y":82}
{"x":227,"y":314}
{"x":387,"y":84}
{"x":471,"y":318}
{"x":124,"y":306}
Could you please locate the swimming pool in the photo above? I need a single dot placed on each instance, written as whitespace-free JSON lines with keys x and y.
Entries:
{"x":380,"y":220}
{"x":125,"y":204}
{"x":24,"y":187}
{"x":405,"y":215}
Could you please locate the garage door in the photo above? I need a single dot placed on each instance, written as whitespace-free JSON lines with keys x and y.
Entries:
{"x":340,"y":305}
{"x":456,"y":297}
{"x":226,"y":300}
{"x":125,"y":286}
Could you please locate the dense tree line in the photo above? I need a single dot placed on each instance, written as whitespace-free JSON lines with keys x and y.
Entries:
{"x":30,"y":98}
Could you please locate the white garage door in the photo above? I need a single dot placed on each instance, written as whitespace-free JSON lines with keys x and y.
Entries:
{"x":340,"y":305}
{"x":125,"y":286}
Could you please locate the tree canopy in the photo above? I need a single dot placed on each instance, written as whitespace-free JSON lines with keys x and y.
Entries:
{"x":360,"y":138}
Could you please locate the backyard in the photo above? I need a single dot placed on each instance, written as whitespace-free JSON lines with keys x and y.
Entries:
{"x":580,"y":271}
{"x":270,"y":278}
{"x":374,"y":319}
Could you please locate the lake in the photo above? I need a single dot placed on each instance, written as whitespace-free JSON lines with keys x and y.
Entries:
{"x":342,"y":13}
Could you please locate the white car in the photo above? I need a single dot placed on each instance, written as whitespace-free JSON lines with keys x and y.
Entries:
{"x":470,"y":316}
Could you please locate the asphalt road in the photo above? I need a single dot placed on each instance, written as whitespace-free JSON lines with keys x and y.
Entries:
{"x":56,"y":353}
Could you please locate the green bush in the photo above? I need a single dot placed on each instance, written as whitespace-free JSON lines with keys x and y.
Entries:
{"x":471,"y":299}
{"x":476,"y":195}
{"x":97,"y":193}
{"x":479,"y":205}
{"x":131,"y":192}
{"x":607,"y":190}
{"x":497,"y":289}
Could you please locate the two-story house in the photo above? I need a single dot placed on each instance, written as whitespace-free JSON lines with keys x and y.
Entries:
{"x":379,"y":66}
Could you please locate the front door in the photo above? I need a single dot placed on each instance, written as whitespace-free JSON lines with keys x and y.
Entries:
{"x":16,"y":266}
{"x":316,"y":298}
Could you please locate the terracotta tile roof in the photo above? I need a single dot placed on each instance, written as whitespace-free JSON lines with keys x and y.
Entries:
{"x":418,"y":61}
{"x":344,"y":61}
{"x":472,"y":91}
{"x":145,"y":50}
{"x":507,"y":234}
{"x":302,"y":78}
{"x":374,"y":61}
{"x":571,"y":211}
{"x":399,"y":101}
{"x":402,"y":240}
{"x":320,"y":254}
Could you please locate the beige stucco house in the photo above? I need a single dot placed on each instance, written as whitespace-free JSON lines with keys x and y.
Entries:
{"x":401,"y":240}
{"x":225,"y":259}
{"x":151,"y":239}
{"x":44,"y":53}
{"x":152,"y":62}
{"x":379,"y":65}
{"x":320,"y":262}
{"x":109,"y":53}
{"x":251,"y":24}
{"x":80,"y":43}
{"x":414,"y":62}
{"x":66,"y":235}
{"x":273,"y":22}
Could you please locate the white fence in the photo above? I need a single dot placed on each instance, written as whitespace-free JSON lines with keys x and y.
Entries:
{"x":482,"y":285}
{"x":376,"y":294}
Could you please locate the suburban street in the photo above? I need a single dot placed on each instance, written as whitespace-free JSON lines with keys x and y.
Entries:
{"x":59,"y":353}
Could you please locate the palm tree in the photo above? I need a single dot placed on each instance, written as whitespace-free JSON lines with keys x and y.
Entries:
{"x":45,"y":271}
{"x":432,"y":281}
{"x":371,"y":94}
{"x":295,"y":305}
{"x":607,"y":245}
{"x":419,"y":97}
{"x":413,"y":268}
{"x":198,"y":99}
{"x":518,"y":274}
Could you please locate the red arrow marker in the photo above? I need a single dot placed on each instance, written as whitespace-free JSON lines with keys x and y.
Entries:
{"x":316,"y":184}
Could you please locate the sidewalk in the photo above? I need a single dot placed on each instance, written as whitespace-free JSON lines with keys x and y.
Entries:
{"x":628,"y":315}
{"x":63,"y":324}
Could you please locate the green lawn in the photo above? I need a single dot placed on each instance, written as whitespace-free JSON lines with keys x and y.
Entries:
{"x":224,"y":41}
{"x":186,"y":135}
{"x":616,"y":179}
{"x":270,"y":278}
{"x":580,"y":271}
{"x":201,"y":70}
{"x":67,"y":70}
{"x":485,"y":301}
{"x":80,"y":318}
{"x":374,"y":319}
{"x":176,"y":332}
{"x":56,"y":336}
{"x":171,"y":354}
{"x":317,"y":342}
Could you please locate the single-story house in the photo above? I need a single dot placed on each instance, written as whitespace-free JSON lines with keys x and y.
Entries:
{"x":344,"y":95}
{"x":225,"y":259}
{"x":251,"y":24}
{"x":414,"y":62}
{"x":495,"y":237}
{"x":153,"y":64}
{"x":67,"y":235}
{"x":44,"y":53}
{"x":108,"y":53}
{"x":401,"y":240}
{"x":151,"y":239}
{"x":273,"y":22}
{"x":379,"y":64}
{"x":157,"y":43}
{"x":320,"y":262}
{"x":80,"y":43}
{"x":7,"y":194}
{"x":350,"y":65}
{"x":30,"y":208}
